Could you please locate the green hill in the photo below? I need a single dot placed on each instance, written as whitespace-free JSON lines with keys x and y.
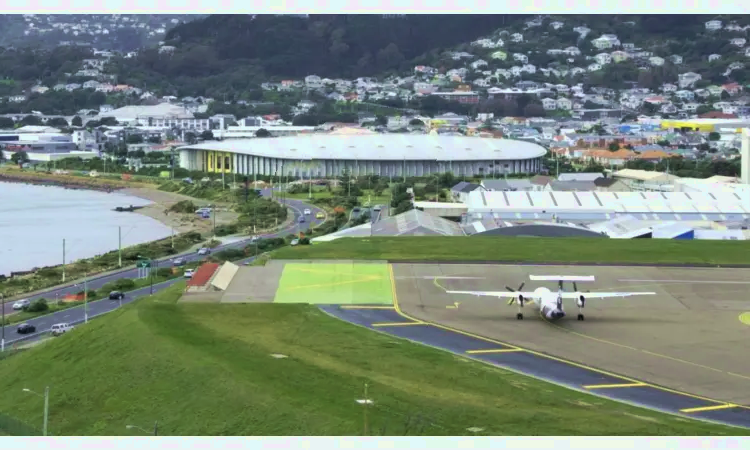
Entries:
{"x":202,"y":369}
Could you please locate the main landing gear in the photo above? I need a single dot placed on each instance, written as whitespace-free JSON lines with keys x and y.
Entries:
{"x":519,"y":316}
{"x":580,"y":316}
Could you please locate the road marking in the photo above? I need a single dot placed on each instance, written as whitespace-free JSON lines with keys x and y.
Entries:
{"x":687,"y":281}
{"x":453,"y":306}
{"x":614,"y":386}
{"x":710,"y":408}
{"x":367,"y":307}
{"x":397,"y":324}
{"x":546,"y":356}
{"x":745,"y":318}
{"x":494,"y":350}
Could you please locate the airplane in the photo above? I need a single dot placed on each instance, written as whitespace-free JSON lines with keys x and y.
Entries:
{"x":549,"y":302}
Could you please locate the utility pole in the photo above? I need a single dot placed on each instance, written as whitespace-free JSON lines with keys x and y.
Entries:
{"x":156,"y":428}
{"x":172,"y":238}
{"x":119,"y":246}
{"x":63,"y":264}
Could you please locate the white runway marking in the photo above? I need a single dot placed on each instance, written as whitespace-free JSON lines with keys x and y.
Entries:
{"x":688,"y":281}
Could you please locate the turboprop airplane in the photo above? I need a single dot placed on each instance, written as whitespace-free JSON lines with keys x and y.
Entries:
{"x":551,"y":303}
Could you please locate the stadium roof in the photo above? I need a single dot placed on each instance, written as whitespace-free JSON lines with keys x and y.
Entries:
{"x":717,"y":206}
{"x":385,"y":147}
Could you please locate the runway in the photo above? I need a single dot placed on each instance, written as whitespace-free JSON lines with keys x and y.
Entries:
{"x":679,"y":351}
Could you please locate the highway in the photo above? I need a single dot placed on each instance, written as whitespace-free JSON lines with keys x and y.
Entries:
{"x":76,"y":315}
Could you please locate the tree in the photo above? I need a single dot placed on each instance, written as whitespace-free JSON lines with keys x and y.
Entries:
{"x":76,"y":121}
{"x":20,"y":158}
{"x":57,"y":122}
{"x":31,"y":120}
{"x":134,"y":139}
{"x":714,"y":136}
{"x":207,"y":135}
{"x":614,"y":146}
{"x":725,"y":95}
{"x":7,"y":123}
{"x":262,"y":133}
{"x":534,"y":110}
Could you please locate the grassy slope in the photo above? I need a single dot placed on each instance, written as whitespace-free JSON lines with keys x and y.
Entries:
{"x":563,"y":250}
{"x":206,"y":370}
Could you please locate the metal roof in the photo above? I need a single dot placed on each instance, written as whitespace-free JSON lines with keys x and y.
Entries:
{"x":648,"y":203}
{"x":383,"y":147}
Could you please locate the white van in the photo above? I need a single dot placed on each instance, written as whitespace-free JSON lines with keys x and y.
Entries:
{"x":60,"y":328}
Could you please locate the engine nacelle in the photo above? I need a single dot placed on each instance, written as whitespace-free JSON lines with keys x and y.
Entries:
{"x":521,"y":299}
{"x":580,"y":300}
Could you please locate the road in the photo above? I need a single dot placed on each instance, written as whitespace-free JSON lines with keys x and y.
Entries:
{"x":76,"y":315}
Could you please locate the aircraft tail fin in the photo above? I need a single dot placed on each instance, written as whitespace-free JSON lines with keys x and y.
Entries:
{"x":561,"y":278}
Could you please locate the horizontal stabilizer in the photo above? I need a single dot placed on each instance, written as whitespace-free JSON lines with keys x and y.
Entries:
{"x":560,"y":278}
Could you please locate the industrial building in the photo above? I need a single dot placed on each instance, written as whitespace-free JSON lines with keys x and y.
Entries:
{"x":394,"y":155}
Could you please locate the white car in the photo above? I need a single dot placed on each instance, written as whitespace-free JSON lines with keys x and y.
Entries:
{"x":60,"y":328}
{"x":189,"y":273}
{"x":204,"y":251}
{"x":307,"y":212}
{"x":21,"y":304}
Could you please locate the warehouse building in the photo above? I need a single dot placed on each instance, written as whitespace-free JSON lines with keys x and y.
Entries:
{"x":390,"y":155}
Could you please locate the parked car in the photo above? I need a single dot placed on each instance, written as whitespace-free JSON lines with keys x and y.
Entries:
{"x":116,"y":295}
{"x":189,"y":273}
{"x":21,"y":304}
{"x":294,"y":242}
{"x":60,"y":328}
{"x":25,"y":328}
{"x":307,"y":212}
{"x":320,"y":215}
{"x":179,"y":262}
{"x":204,"y":251}
{"x":301,"y":219}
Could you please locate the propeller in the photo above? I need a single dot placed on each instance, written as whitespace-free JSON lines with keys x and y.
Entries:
{"x":513,"y":300}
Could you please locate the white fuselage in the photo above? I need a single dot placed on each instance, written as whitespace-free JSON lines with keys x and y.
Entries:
{"x":550,"y":303}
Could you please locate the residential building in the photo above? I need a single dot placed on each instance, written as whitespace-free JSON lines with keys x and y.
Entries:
{"x":656,"y":61}
{"x":688,"y":79}
{"x":713,"y":25}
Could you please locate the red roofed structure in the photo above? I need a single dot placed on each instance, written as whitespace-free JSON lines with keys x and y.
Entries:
{"x":203,"y":275}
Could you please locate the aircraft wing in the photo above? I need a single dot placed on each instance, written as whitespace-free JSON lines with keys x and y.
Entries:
{"x":499,"y":294}
{"x":590,"y":295}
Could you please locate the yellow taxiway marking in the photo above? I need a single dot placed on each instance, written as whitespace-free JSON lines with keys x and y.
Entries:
{"x":494,"y":350}
{"x":543,"y":355}
{"x":745,"y":318}
{"x":709,"y":408}
{"x":366,"y":307}
{"x":397,"y":324}
{"x":453,"y":306}
{"x":614,"y":386}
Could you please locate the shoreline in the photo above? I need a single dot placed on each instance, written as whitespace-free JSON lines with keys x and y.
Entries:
{"x":69,"y":182}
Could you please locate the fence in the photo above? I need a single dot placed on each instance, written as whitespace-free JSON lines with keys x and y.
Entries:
{"x":14,"y":427}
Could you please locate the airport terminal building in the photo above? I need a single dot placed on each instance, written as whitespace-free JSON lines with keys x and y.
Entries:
{"x":394,"y":155}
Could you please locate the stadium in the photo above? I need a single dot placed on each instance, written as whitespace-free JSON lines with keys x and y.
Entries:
{"x":385,"y":155}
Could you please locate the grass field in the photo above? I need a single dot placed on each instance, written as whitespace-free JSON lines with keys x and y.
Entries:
{"x":207,"y":369}
{"x":335,"y":284}
{"x":524,"y":249}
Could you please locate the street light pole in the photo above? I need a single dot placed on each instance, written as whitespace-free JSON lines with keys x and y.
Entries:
{"x":46,"y":406}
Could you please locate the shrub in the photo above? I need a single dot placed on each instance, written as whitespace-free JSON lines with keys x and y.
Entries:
{"x":184,"y":206}
{"x":164,"y":272}
{"x":230,"y":254}
{"x":123,"y":284}
{"x":39,"y":305}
